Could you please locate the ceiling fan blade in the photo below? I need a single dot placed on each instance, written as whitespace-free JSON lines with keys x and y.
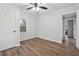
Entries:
{"x":43,"y":7}
{"x":29,"y":8}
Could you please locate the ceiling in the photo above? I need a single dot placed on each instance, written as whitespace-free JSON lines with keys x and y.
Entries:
{"x":50,"y":6}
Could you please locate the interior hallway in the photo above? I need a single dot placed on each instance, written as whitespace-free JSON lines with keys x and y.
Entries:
{"x":69,"y":43}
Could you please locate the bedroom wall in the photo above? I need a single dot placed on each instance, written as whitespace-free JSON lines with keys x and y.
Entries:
{"x":51,"y":24}
{"x":30,"y":24}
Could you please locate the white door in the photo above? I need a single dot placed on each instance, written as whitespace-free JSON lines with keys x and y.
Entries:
{"x":7,"y":28}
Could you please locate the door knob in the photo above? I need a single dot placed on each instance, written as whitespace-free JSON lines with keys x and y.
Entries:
{"x":14,"y":31}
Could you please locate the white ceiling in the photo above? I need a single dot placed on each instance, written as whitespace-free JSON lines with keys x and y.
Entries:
{"x":50,"y":6}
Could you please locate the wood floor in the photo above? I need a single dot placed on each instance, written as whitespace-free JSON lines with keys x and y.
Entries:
{"x":39,"y":47}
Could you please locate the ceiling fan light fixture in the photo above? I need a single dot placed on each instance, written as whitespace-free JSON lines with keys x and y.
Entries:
{"x":33,"y":9}
{"x":37,"y":8}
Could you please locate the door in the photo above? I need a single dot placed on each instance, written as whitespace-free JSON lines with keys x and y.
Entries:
{"x":70,"y":28}
{"x":7,"y":28}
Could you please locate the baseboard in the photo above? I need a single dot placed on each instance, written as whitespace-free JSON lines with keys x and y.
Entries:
{"x":28,"y":39}
{"x":18,"y":44}
{"x":50,"y":39}
{"x":43,"y":38}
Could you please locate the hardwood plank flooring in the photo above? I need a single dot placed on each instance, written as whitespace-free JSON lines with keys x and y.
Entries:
{"x":39,"y":47}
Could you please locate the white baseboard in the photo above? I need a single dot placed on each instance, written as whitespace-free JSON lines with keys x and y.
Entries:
{"x":27,"y":38}
{"x":51,"y":39}
{"x":43,"y":38}
{"x":18,"y":44}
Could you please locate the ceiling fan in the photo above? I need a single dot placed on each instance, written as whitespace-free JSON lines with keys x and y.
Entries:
{"x":36,"y":7}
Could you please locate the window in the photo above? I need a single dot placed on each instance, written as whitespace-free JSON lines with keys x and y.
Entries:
{"x":23,"y":25}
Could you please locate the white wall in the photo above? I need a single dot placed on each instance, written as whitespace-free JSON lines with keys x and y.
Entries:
{"x":51,"y":25}
{"x":30,"y":24}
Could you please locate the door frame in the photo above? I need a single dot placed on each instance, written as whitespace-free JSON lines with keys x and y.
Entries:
{"x":75,"y":23}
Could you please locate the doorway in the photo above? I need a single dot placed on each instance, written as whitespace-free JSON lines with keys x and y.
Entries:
{"x":69,"y":30}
